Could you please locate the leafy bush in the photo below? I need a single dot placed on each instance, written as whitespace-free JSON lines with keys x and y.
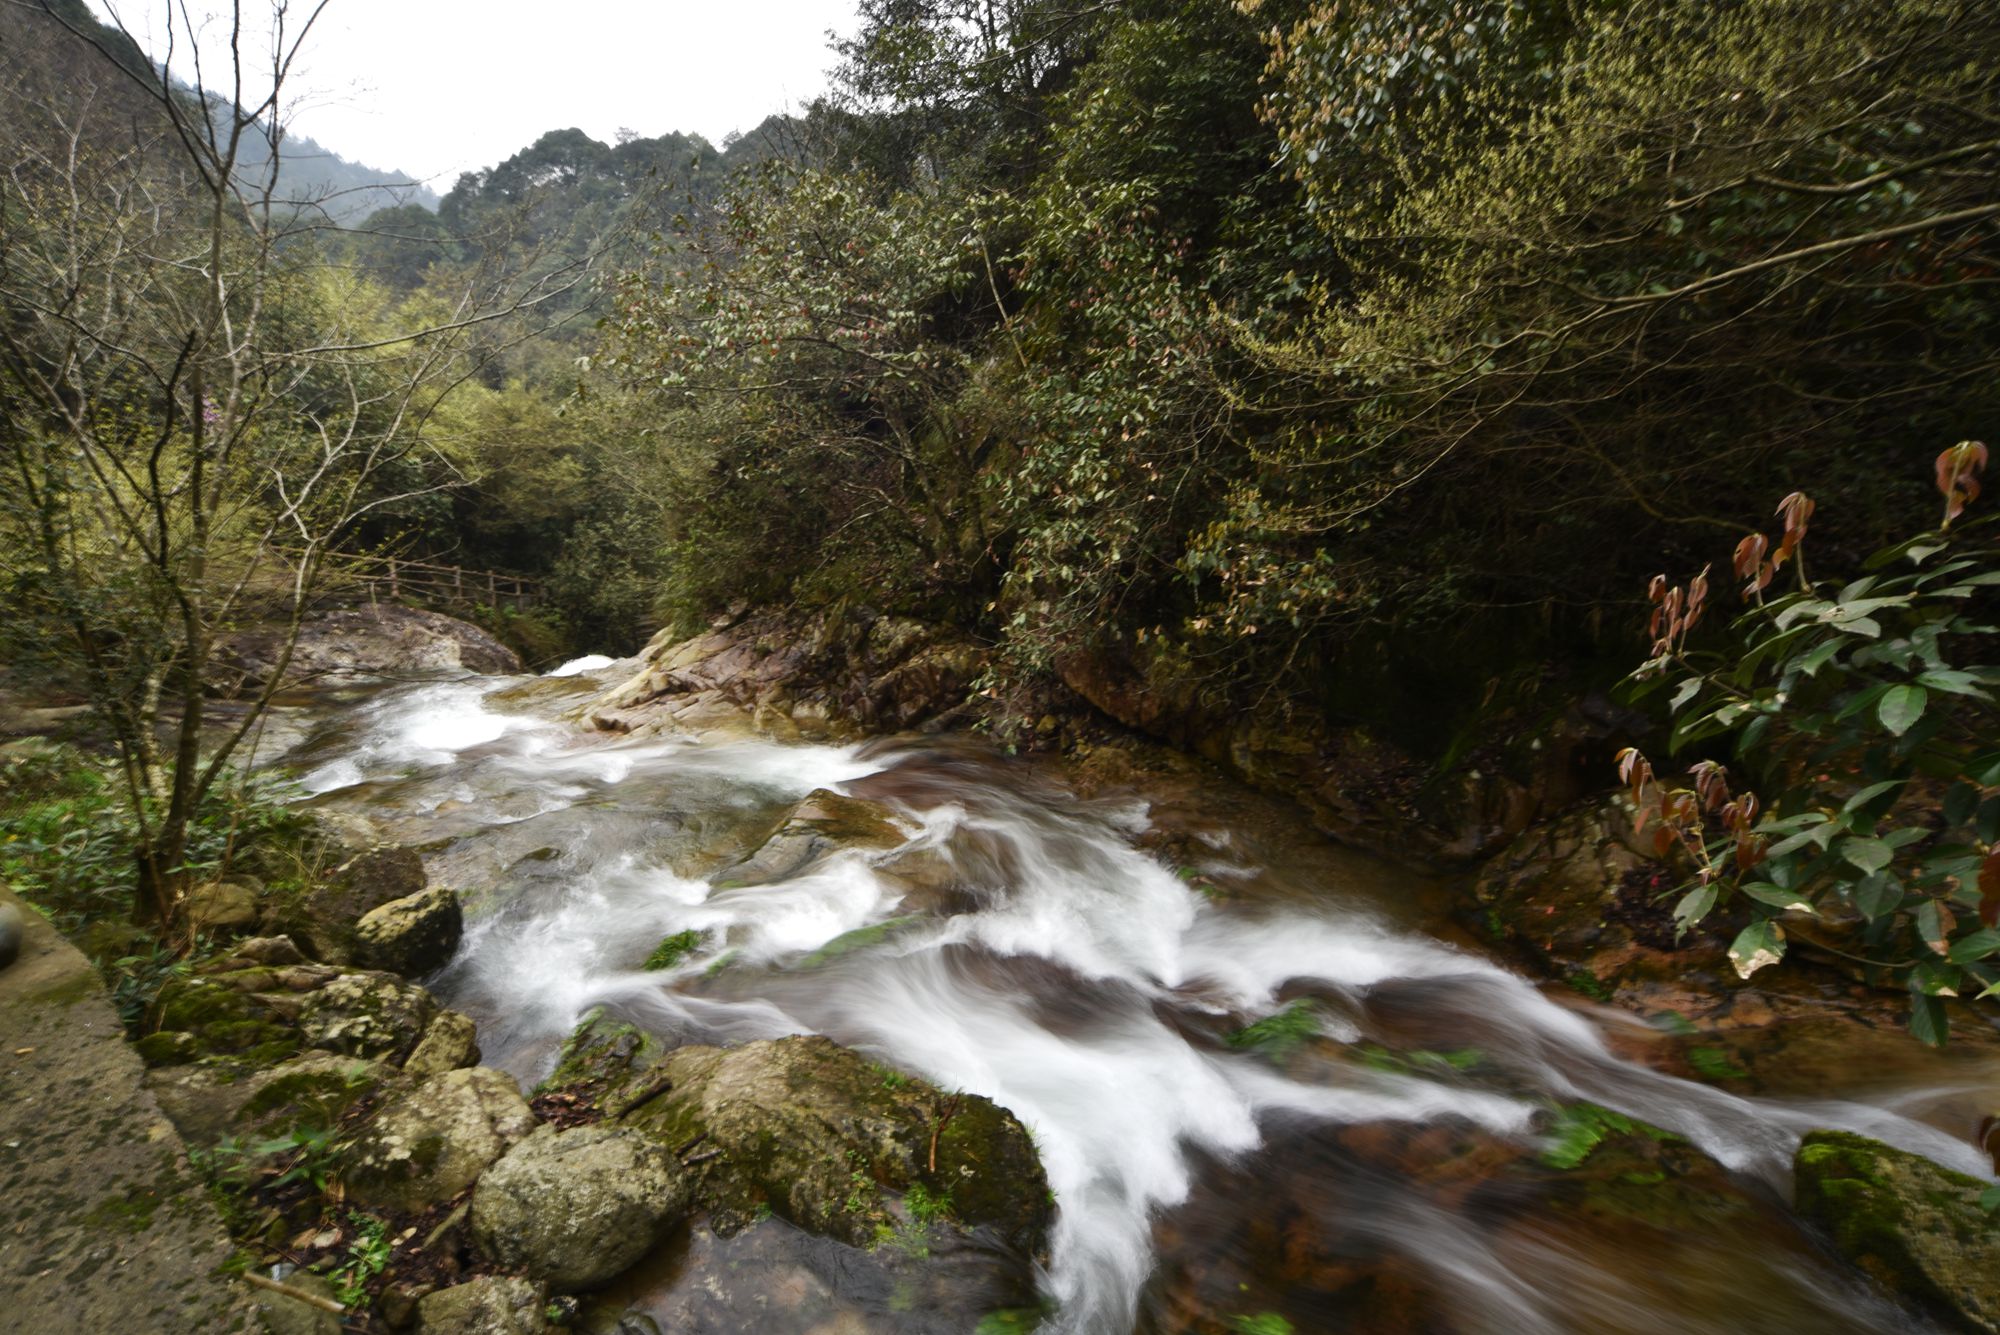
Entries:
{"x":1879,"y":811}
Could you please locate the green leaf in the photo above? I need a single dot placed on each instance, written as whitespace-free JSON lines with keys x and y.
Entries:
{"x":1901,"y":707}
{"x":1765,"y":893}
{"x":1871,"y":855}
{"x":1927,"y":1020}
{"x":1953,"y":683}
{"x":1811,"y":662}
{"x":1970,"y":949}
{"x":1870,"y":793}
{"x":1959,"y":803}
{"x":1876,"y":896}
{"x":1757,"y":946}
{"x":1694,"y":906}
{"x":1689,"y":689}
{"x":1986,"y":823}
{"x":1935,"y":978}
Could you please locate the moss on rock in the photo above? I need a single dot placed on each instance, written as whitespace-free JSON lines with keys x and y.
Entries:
{"x":1913,"y":1226}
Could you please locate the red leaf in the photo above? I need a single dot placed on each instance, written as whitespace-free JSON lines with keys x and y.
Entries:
{"x":1989,"y":889}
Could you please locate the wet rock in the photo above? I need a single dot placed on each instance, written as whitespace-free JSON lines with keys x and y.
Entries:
{"x":222,"y":906}
{"x":575,"y":1208}
{"x":824,"y":823}
{"x":823,"y":1136}
{"x":450,"y":1043}
{"x":838,"y":674}
{"x":411,"y":936}
{"x":363,"y":643}
{"x":367,"y":1014}
{"x":1913,"y":1226}
{"x":489,"y":1305}
{"x":433,"y":1140}
{"x":219,"y":1020}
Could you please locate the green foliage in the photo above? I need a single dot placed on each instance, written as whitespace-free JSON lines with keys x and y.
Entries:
{"x":367,"y":1257}
{"x":927,"y":1207}
{"x":1580,"y":1128}
{"x":1282,"y":1032}
{"x":68,"y":843}
{"x":1870,"y":746}
{"x":1261,"y":1323}
{"x":675,"y":948}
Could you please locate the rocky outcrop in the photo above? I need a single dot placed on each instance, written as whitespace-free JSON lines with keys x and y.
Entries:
{"x":359,"y":644}
{"x":842,"y":674}
{"x":576,"y":1208}
{"x":432,"y":1141}
{"x":411,"y":936}
{"x":1916,"y":1228}
{"x":1576,"y":901}
{"x":1354,"y":785}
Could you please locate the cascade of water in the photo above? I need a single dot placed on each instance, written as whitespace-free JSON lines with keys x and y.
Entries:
{"x":1080,"y":983}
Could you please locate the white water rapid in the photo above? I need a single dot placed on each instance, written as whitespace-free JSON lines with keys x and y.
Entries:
{"x":1076,"y":980}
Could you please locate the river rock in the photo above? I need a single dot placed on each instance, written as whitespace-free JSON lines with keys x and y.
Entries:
{"x":450,"y":1043}
{"x":824,"y":1137}
{"x":823,"y":823}
{"x":367,"y":1014}
{"x":322,"y":920}
{"x":489,"y":1305}
{"x":222,"y":906}
{"x":311,"y":1091}
{"x":435,"y":1139}
{"x":576,"y":1208}
{"x":411,"y":936}
{"x":1915,"y":1227}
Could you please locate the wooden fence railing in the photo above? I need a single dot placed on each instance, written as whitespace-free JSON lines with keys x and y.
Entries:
{"x":398,"y":579}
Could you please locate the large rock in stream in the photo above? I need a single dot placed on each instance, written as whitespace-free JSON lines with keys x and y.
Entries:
{"x":577,"y":1208}
{"x":936,"y":1199}
{"x":1916,"y":1228}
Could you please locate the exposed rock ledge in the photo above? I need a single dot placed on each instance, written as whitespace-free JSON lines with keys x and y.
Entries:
{"x":361,"y":643}
{"x":840,"y":676}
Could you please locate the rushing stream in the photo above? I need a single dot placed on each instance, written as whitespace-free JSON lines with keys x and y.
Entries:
{"x":1081,"y":982}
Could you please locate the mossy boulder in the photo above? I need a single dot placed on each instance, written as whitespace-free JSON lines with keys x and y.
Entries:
{"x":576,"y":1208}
{"x":451,"y":1042}
{"x":434,"y":1139}
{"x":220,"y":1019}
{"x":411,"y":936}
{"x":1913,"y":1226}
{"x":323,"y":920}
{"x":829,"y":1140}
{"x":367,"y":1014}
{"x":207,"y":1104}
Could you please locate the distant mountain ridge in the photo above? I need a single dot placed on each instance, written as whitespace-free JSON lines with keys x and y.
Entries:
{"x":310,"y":175}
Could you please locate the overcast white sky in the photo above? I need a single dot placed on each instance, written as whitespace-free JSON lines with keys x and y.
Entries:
{"x":437,"y":87}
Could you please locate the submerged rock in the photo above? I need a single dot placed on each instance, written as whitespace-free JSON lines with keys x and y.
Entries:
{"x":824,"y":823}
{"x":489,"y":1305}
{"x":435,"y":1139}
{"x":1915,"y":1227}
{"x":413,"y":935}
{"x":576,"y":1208}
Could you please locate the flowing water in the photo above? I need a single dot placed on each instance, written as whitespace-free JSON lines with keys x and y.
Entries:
{"x":1077,"y":979}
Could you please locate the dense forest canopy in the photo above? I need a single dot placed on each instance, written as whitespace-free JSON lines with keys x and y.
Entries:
{"x":1251,"y":345}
